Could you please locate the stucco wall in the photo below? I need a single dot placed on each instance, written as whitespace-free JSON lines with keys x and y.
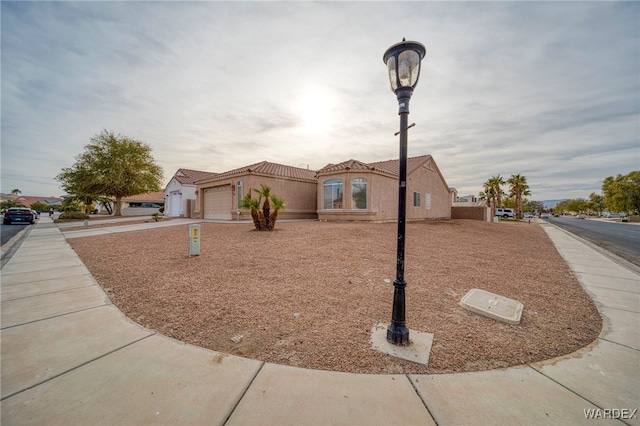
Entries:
{"x":383,"y":196}
{"x":427,"y":180}
{"x":475,"y":213}
{"x":299,"y":196}
{"x":186,"y":192}
{"x":348,"y":212}
{"x":139,"y":211}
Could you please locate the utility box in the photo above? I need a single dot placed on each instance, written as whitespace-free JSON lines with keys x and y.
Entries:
{"x":194,"y":240}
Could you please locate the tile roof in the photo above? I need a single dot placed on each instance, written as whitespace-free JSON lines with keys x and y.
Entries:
{"x":389,"y":166}
{"x":147,"y":196}
{"x":393,"y":166}
{"x":190,"y":177}
{"x":271,"y":169}
{"x":345,"y":165}
{"x":27,"y":200}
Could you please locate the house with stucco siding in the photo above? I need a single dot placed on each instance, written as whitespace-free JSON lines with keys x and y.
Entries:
{"x":181,"y":191}
{"x":219,"y":197}
{"x":351,"y":191}
{"x":142,"y":204}
{"x":357,"y":191}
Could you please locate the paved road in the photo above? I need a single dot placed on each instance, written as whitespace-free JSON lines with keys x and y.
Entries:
{"x":622,"y":239}
{"x":9,"y":231}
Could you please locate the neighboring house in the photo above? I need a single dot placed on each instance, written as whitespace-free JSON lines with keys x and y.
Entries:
{"x":353,"y":190}
{"x":142,"y":204}
{"x":468,"y":201}
{"x":27,"y":200}
{"x":219,"y":197}
{"x":180,"y":190}
{"x":469,"y":207}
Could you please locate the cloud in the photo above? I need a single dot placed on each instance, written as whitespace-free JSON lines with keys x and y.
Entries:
{"x":549,"y":90}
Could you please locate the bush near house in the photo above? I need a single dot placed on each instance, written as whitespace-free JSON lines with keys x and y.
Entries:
{"x":70,"y":215}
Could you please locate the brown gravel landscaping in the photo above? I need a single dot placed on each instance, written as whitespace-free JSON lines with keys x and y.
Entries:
{"x":309,"y":293}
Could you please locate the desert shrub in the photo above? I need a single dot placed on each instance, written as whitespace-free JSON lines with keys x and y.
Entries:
{"x":73,"y":215}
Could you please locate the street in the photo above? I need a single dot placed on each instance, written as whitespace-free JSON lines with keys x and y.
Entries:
{"x":621,"y":239}
{"x":9,"y":231}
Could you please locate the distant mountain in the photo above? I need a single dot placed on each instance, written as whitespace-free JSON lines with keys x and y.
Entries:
{"x":549,"y":204}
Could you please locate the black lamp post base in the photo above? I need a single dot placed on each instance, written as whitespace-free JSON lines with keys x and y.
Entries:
{"x":398,"y":334}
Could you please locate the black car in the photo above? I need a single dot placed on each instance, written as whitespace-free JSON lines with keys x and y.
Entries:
{"x":18,"y":214}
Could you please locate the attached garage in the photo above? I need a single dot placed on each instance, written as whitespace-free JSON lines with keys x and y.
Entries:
{"x":220,"y":196}
{"x":217,"y":202}
{"x":175,"y":202}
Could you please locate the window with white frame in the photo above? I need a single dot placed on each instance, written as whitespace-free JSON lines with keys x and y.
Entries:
{"x":333,"y":194}
{"x":359,"y":193}
{"x":416,"y":199}
{"x":239,"y":194}
{"x":427,"y":201}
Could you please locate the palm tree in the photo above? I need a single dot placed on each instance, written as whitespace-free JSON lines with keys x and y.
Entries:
{"x":252,"y":205}
{"x":493,"y":192}
{"x":278,"y":204}
{"x":496,"y":182}
{"x":265,"y":215}
{"x":518,"y":187}
{"x":265,"y":219}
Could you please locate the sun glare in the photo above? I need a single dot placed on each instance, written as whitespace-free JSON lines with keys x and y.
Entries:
{"x":315,"y":110}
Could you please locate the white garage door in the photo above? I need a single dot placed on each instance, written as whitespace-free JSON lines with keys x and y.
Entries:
{"x":217,"y":202}
{"x":174,"y":204}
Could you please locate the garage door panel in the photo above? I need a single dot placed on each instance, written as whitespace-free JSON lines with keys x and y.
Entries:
{"x":217,"y":203}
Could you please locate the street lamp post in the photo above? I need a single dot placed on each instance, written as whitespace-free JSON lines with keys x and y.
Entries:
{"x":403,"y":63}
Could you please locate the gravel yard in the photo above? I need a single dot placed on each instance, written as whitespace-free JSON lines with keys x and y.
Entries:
{"x":308,"y":294}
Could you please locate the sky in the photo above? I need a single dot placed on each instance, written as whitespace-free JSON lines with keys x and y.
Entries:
{"x":548,"y":90}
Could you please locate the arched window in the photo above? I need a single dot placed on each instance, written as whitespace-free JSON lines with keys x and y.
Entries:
{"x":332,"y":194}
{"x":359,"y":193}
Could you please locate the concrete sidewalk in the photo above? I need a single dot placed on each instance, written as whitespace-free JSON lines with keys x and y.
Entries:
{"x":70,"y":357}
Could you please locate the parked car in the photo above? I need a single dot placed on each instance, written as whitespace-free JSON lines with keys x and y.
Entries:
{"x":36,"y":214}
{"x":528,"y":215}
{"x":505,"y":212}
{"x":544,"y":216}
{"x":18,"y":214}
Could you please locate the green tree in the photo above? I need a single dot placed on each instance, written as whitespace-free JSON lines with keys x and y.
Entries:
{"x":112,"y":166}
{"x":622,"y":193}
{"x":509,"y":202}
{"x":84,"y":202}
{"x":561,"y":207}
{"x":40,"y":206}
{"x":7,"y":204}
{"x":596,"y":203}
{"x":575,"y":205}
{"x":532,"y":206}
{"x":518,"y":187}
